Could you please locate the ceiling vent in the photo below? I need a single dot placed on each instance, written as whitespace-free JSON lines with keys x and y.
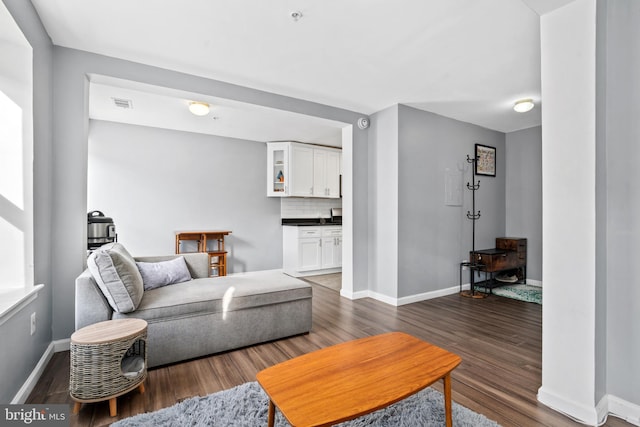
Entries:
{"x":123,"y":103}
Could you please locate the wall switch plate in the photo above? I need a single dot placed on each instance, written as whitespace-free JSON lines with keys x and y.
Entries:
{"x":33,"y":323}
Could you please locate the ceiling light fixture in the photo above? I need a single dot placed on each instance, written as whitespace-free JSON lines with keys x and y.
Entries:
{"x":296,"y":15}
{"x":199,"y":108}
{"x":523,"y":105}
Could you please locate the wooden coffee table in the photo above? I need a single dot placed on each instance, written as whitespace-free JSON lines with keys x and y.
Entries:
{"x":348,"y":380}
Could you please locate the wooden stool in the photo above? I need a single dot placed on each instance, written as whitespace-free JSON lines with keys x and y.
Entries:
{"x":217,"y":263}
{"x":210,"y":242}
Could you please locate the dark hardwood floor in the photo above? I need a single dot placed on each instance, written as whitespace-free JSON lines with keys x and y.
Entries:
{"x":498,"y":339}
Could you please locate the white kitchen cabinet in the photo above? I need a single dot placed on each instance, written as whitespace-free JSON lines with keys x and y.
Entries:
{"x":309,"y":254}
{"x":331,"y":247}
{"x":309,"y":250}
{"x":302,"y":170}
{"x":278,"y":169}
{"x":326,"y":173}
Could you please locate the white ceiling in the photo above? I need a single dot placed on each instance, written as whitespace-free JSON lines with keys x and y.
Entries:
{"x":465,"y":59}
{"x":167,"y":108}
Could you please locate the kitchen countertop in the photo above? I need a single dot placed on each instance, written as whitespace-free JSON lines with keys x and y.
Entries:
{"x":310,"y":221}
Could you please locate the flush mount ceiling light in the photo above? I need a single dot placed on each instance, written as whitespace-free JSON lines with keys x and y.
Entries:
{"x":296,"y":15}
{"x":199,"y":108}
{"x":523,"y":105}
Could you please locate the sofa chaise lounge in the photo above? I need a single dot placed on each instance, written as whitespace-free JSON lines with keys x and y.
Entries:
{"x":197,"y":317}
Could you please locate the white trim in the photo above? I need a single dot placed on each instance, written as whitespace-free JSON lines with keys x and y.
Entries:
{"x":25,"y":297}
{"x":32,"y":380}
{"x":575,"y":410}
{"x":404,"y":300}
{"x":353,"y":295}
{"x":62,"y":345}
{"x":602,"y":409}
{"x":383,"y":298}
{"x":620,"y":408}
{"x":534,"y":282}
{"x":430,"y":295}
{"x":28,"y":386}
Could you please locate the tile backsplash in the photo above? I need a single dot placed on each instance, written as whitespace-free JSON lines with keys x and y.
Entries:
{"x":299,"y":207}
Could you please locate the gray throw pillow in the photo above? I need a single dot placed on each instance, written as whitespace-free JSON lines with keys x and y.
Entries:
{"x":163,"y":273}
{"x":117,"y":276}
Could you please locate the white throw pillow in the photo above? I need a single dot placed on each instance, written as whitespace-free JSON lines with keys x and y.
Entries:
{"x":163,"y":273}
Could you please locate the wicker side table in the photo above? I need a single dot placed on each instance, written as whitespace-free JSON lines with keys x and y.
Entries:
{"x":98,"y":354}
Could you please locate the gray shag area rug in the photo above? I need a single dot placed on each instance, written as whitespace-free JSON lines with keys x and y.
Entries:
{"x":247,"y":405}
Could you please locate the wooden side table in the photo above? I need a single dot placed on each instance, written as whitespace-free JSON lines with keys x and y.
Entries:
{"x":99,"y":352}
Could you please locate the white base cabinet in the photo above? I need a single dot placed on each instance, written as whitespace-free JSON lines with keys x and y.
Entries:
{"x":311,"y":250}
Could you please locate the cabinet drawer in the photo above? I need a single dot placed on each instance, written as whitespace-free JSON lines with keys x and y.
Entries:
{"x":309,"y":232}
{"x":497,"y":261}
{"x":511,"y":244}
{"x":331,"y":231}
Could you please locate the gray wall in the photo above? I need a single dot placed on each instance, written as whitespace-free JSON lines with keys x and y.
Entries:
{"x":20,"y":351}
{"x":153,"y":182}
{"x":622,"y":200}
{"x":416,"y":242}
{"x":524,"y":194}
{"x":383,"y":202}
{"x":432,"y":237}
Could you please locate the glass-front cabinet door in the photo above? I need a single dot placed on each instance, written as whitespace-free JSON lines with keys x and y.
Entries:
{"x":277,"y":169}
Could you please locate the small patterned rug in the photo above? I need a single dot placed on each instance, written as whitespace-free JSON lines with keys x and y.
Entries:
{"x":528,"y":293}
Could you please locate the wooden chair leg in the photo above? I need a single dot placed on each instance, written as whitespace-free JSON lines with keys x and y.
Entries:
{"x":141,"y":388}
{"x":76,"y":408}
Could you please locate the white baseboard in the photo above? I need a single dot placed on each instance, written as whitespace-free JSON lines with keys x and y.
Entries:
{"x":576,"y":410}
{"x":430,"y":295}
{"x":609,"y":405}
{"x":28,"y":386}
{"x":61,"y":345}
{"x":534,"y":282}
{"x":403,"y":300}
{"x":620,"y":408}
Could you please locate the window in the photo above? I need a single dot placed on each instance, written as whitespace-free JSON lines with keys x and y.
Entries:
{"x":16,"y":163}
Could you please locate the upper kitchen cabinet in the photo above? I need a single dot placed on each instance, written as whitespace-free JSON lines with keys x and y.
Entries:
{"x":302,"y":170}
{"x":277,"y":169}
{"x":326,"y":173}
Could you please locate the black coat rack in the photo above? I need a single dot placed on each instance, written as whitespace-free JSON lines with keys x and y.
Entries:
{"x":473,"y":216}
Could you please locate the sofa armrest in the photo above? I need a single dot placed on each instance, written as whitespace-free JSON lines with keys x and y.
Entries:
{"x":91,"y":305}
{"x":197,"y":262}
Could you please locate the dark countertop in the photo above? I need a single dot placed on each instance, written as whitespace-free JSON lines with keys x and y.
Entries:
{"x":310,"y":221}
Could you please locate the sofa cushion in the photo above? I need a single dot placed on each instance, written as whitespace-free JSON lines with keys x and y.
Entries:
{"x":117,"y":276}
{"x":219,"y":295}
{"x":163,"y":273}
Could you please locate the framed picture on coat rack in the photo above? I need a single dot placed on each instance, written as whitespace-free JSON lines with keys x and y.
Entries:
{"x":485,"y":160}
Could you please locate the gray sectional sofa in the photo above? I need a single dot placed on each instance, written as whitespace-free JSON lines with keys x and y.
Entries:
{"x":197,"y":317}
